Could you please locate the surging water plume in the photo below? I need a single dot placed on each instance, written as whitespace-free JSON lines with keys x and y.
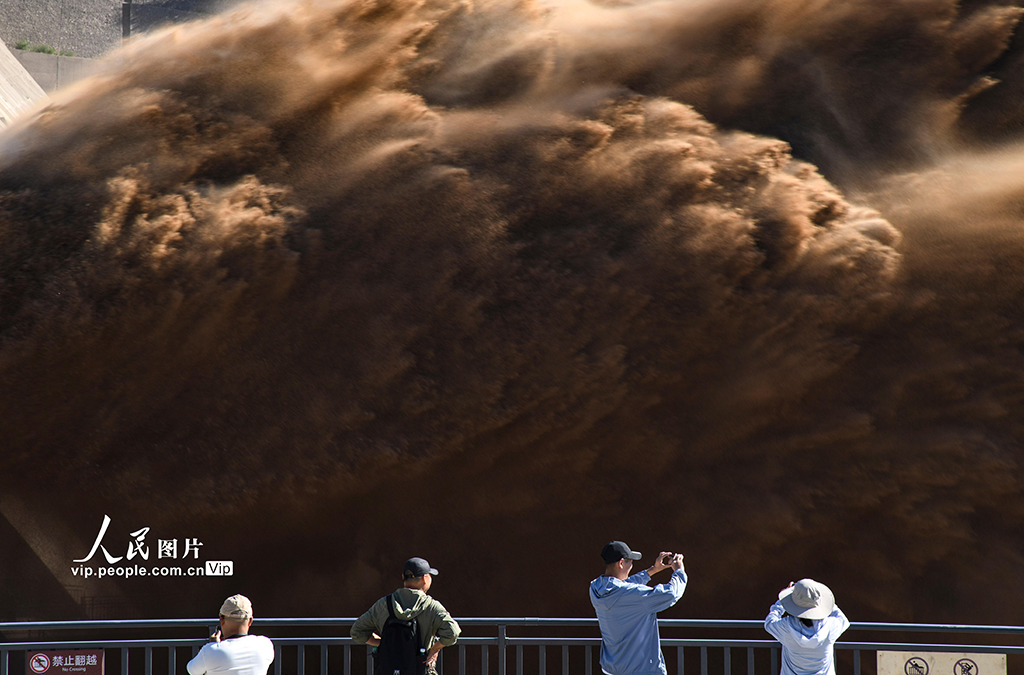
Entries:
{"x":851,"y":85}
{"x":485,"y":277}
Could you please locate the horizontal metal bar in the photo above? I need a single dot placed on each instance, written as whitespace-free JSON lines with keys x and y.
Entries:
{"x":528,"y":642}
{"x":105,"y":625}
{"x":914,"y":647}
{"x":97,"y":644}
{"x":857,"y":625}
{"x":935,"y":627}
{"x":488,"y":621}
{"x":697,"y":642}
{"x":315,"y":641}
{"x":763,"y":644}
{"x":531,"y":641}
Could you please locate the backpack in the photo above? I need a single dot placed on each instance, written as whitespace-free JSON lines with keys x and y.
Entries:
{"x":401,"y":648}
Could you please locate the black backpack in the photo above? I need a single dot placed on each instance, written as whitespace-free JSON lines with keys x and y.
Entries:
{"x":401,"y":649}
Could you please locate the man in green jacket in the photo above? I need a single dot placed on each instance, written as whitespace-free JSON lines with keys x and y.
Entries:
{"x":437,"y":627}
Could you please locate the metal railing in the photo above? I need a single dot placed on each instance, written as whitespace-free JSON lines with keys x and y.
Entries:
{"x":486,"y":646}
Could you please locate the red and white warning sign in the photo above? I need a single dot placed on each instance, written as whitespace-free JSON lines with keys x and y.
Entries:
{"x":65,"y":662}
{"x":39,"y":663}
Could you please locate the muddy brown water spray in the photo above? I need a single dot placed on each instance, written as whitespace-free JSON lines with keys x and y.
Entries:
{"x":338,"y":283}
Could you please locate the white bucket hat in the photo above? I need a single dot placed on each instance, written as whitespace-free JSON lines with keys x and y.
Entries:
{"x":808,"y":599}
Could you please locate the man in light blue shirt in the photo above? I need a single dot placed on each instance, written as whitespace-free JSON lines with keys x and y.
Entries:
{"x":807,"y":622}
{"x":627,"y":609}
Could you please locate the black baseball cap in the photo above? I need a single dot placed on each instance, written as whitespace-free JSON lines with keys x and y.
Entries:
{"x":417,"y":567}
{"x":614,"y":551}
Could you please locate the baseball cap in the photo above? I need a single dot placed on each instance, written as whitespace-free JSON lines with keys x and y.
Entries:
{"x":237,"y":607}
{"x":614,"y":551}
{"x":417,"y":567}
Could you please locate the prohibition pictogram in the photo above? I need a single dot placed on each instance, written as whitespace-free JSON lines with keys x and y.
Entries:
{"x":965,"y":667}
{"x":916,"y":666}
{"x":40,"y":663}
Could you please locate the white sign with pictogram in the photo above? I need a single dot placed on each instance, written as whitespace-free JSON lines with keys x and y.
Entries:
{"x":39,"y":663}
{"x":65,"y":662}
{"x":940,"y":663}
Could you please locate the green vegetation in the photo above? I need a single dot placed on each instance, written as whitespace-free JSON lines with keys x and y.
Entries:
{"x":42,"y":49}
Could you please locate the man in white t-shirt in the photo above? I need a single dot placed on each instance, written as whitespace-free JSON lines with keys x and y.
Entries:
{"x":231,"y":649}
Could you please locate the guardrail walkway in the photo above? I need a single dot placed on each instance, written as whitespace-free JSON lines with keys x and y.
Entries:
{"x":498,"y":646}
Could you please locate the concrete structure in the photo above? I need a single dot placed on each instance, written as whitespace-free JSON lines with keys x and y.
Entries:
{"x":92,"y":28}
{"x":18,"y":90}
{"x":80,"y":31}
{"x":85,"y":28}
{"x":43,"y":548}
{"x":52,"y":72}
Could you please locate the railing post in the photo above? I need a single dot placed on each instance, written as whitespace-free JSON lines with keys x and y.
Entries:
{"x":172,"y":660}
{"x":679,"y":660}
{"x":565,"y":659}
{"x":543,"y":661}
{"x":323,"y":659}
{"x":149,"y":661}
{"x":856,"y":662}
{"x":727,"y":658}
{"x":703,"y":661}
{"x":462,"y":659}
{"x":4,"y":662}
{"x":300,"y":659}
{"x":750,"y":661}
{"x":126,"y":31}
{"x":124,"y":661}
{"x":588,"y":660}
{"x":501,"y":649}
